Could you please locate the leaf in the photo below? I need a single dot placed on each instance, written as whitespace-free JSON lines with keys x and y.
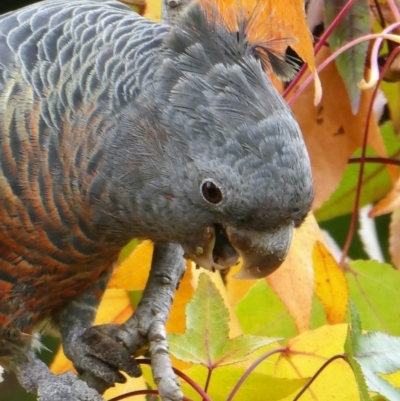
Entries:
{"x":261,"y":312}
{"x":306,"y":354}
{"x":224,"y":379}
{"x":354,"y":331}
{"x":356,"y":23}
{"x":127,"y":250}
{"x":176,"y":320}
{"x":392,"y":93}
{"x":389,"y":203}
{"x":219,"y":283}
{"x":379,"y":353}
{"x":138,"y":6}
{"x":293,"y":282}
{"x":330,"y":284}
{"x":206,"y":340}
{"x":331,"y":132}
{"x":153,"y":10}
{"x":274,"y":21}
{"x":374,"y":289}
{"x":131,"y":384}
{"x":377,"y":180}
{"x":375,"y":353}
{"x":394,"y":238}
{"x":132,"y":273}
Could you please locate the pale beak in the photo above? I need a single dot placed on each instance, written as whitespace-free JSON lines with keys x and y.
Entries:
{"x":262,"y":251}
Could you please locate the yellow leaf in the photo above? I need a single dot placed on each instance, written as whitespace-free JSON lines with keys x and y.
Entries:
{"x":177,"y":318}
{"x":153,"y":10}
{"x":133,"y":272}
{"x":308,"y":352}
{"x":237,"y":288}
{"x":115,"y":307}
{"x":293,"y":282}
{"x":131,"y":384}
{"x":392,"y":378}
{"x":330,"y":284}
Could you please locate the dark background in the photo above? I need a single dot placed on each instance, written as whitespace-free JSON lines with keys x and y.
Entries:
{"x":7,"y":5}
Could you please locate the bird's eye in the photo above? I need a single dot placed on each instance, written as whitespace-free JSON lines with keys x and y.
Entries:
{"x":211,"y":192}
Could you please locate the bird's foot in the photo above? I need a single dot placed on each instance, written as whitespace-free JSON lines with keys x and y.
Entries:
{"x":99,"y":353}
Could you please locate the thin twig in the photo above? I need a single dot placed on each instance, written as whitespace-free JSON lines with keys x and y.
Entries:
{"x":354,"y":215}
{"x":321,"y":42}
{"x":333,"y":56}
{"x":373,"y":159}
{"x":317,"y":373}
{"x":251,"y":368}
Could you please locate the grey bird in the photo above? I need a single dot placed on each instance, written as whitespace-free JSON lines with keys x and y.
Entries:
{"x":114,"y":127}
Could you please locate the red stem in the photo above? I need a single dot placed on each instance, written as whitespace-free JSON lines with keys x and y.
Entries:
{"x":140,"y":392}
{"x":370,"y":159}
{"x":317,"y":373}
{"x":354,"y":215}
{"x":187,"y":379}
{"x":208,"y":380}
{"x":250,"y":369}
{"x":321,"y":42}
{"x":133,"y":393}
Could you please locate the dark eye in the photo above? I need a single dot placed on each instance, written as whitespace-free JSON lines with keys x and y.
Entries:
{"x":211,"y":192}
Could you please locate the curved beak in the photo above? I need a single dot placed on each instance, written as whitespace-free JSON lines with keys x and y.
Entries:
{"x":262,"y":252}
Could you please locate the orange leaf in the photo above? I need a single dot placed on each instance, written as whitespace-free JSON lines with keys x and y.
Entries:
{"x":133,"y":272}
{"x":237,"y":288}
{"x":273,"y":19}
{"x":293,"y":282}
{"x":394,"y":238}
{"x":177,"y":318}
{"x":389,"y":203}
{"x":330,"y":284}
{"x":331,"y":132}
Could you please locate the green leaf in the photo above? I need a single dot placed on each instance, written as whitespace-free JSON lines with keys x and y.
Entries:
{"x":351,"y":63}
{"x":353,"y":334}
{"x":127,"y":250}
{"x":355,"y":321}
{"x":262,"y":313}
{"x":379,"y":353}
{"x":372,"y":354}
{"x":375,"y":290}
{"x":257,"y":386}
{"x":206,"y":339}
{"x":376,"y":181}
{"x":392,"y":94}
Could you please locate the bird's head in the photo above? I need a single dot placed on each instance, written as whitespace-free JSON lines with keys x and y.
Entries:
{"x":235,"y":173}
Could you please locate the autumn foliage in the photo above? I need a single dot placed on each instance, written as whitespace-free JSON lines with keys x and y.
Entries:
{"x":322,"y":327}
